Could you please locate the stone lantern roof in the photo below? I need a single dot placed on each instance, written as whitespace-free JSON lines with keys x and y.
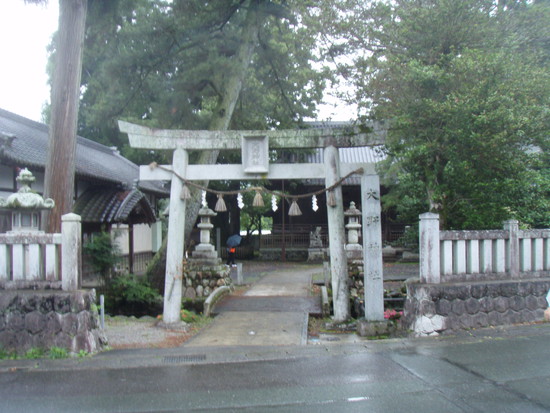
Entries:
{"x":206,"y":212}
{"x":352,"y":211}
{"x":26,"y":198}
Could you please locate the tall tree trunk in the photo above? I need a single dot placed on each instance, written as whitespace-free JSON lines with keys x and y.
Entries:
{"x":220,"y":121}
{"x":60,"y":166}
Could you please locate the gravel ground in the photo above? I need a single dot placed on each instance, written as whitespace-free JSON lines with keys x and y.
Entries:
{"x":397,"y":271}
{"x":130,"y":332}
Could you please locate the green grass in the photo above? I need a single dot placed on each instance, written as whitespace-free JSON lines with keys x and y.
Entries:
{"x":379,"y":337}
{"x":38,"y":353}
{"x":58,"y":353}
{"x":7,"y":355}
{"x":34,"y":353}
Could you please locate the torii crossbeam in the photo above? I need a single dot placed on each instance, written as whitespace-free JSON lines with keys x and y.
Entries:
{"x":255,"y":146}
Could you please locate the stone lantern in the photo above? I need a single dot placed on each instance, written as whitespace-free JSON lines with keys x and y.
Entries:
{"x":205,"y":250}
{"x":354,"y":250}
{"x":25,"y":205}
{"x":204,"y":271}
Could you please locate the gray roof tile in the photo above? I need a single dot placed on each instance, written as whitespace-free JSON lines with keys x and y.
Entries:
{"x":93,"y":161}
{"x":100,"y":205}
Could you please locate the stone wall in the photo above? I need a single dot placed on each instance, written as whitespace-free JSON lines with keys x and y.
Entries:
{"x":45,"y":319}
{"x":433,"y":308}
{"x":356,"y":280}
{"x":202,"y":277}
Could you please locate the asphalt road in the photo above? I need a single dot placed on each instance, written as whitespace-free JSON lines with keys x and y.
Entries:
{"x":490,"y":371}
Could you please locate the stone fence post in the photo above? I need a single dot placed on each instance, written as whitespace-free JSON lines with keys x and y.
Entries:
{"x":70,"y":252}
{"x":512,"y":247}
{"x":429,"y":248}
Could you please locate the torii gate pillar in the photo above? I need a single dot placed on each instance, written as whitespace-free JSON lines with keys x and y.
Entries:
{"x":337,"y":233}
{"x":174,"y":250}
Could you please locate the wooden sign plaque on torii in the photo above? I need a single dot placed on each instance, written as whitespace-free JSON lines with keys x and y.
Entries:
{"x":255,"y":165}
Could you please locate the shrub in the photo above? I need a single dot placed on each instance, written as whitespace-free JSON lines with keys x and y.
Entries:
{"x":195,"y":305}
{"x":189,"y":316}
{"x":102,"y":253}
{"x":131,"y":295}
{"x":409,"y":239}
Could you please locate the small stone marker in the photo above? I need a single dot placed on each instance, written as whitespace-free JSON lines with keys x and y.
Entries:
{"x":547,"y":311}
{"x":239,"y":273}
{"x":326,"y":273}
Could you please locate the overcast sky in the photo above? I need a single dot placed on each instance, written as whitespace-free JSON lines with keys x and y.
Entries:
{"x":25,"y":32}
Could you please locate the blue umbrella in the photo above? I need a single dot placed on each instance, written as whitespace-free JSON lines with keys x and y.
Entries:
{"x":234,"y":240}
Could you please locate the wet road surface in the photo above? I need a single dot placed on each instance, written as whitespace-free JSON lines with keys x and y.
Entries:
{"x":489,"y":373}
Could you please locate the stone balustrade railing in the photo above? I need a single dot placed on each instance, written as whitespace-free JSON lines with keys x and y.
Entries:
{"x":509,"y":253}
{"x":35,"y":260}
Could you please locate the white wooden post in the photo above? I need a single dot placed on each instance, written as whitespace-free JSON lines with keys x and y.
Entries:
{"x":337,"y":237}
{"x":538,"y":254}
{"x":446,"y":256}
{"x":512,"y":250}
{"x":4,"y":262}
{"x":18,"y":262}
{"x":473,"y":257}
{"x":51,"y":267}
{"x":459,"y":256}
{"x":486,"y":264}
{"x":70,"y":252}
{"x":525,"y":255}
{"x":499,"y":256}
{"x":546,"y":255}
{"x":429,"y":248}
{"x":176,"y":242}
{"x":372,"y":248}
{"x":34,"y":260}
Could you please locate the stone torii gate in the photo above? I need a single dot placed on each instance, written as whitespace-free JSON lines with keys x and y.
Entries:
{"x":255,"y":165}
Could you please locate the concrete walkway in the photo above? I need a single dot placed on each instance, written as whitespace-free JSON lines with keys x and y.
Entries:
{"x":274,"y":311}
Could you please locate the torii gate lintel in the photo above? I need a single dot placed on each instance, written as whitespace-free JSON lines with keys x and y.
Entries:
{"x":143,"y":136}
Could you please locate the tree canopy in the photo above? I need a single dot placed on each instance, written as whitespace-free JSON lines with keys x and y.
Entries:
{"x":467,"y":89}
{"x":167,"y":64}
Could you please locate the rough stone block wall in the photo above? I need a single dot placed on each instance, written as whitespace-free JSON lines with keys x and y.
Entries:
{"x":356,"y":280}
{"x":433,"y":308}
{"x":46,"y":319}
{"x":202,"y":278}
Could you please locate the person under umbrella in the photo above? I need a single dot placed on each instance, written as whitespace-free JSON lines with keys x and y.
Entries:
{"x":232,"y":242}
